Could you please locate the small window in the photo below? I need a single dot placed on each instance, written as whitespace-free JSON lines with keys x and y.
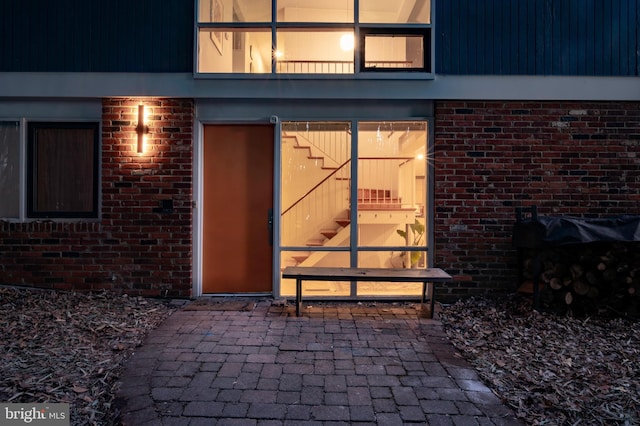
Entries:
{"x":395,"y":50}
{"x":62,"y":177}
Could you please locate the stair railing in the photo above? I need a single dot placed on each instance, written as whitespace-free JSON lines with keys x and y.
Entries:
{"x":385,"y":182}
{"x":332,"y":67}
{"x":317,"y":208}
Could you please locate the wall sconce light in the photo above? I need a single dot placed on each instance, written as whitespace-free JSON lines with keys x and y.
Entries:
{"x":141,"y":129}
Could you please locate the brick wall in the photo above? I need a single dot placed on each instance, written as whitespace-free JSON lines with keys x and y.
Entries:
{"x":490,"y":157}
{"x":568,"y":158}
{"x":133,"y":248}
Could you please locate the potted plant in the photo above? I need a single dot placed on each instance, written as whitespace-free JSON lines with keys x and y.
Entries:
{"x":417,"y":230}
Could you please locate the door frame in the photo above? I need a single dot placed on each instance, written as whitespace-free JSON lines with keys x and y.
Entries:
{"x":272,"y":111}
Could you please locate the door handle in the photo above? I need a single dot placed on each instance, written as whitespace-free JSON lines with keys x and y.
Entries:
{"x":270,"y":225}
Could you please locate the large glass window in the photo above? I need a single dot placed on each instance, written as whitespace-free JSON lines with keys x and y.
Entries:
{"x":368,"y":211}
{"x":316,"y":179}
{"x":313,"y":37}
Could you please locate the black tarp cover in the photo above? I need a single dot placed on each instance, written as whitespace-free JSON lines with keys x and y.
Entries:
{"x":561,"y":230}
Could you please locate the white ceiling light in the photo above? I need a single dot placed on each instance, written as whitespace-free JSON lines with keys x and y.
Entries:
{"x":347,"y":42}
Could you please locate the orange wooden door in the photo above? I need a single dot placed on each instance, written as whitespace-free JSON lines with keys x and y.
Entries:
{"x":238,"y":196}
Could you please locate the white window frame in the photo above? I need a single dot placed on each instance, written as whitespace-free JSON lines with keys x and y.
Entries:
{"x":23,"y":112}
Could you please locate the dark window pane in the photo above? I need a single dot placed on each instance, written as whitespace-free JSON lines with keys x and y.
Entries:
{"x":63,"y":179}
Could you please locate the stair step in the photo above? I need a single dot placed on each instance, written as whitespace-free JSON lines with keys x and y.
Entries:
{"x":343,"y":222}
{"x":315,"y":243}
{"x":300,"y":258}
{"x":321,"y":158}
{"x":329,"y":233}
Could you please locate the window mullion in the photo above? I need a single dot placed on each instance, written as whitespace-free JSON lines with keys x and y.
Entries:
{"x":357,"y":49}
{"x":24,"y":169}
{"x":274,"y":47}
{"x":354,"y":195}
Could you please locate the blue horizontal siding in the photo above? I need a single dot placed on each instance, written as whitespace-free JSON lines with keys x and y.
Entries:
{"x":96,"y":36}
{"x":538,"y":37}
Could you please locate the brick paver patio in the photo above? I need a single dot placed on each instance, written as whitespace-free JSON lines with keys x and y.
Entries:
{"x":354,"y":364}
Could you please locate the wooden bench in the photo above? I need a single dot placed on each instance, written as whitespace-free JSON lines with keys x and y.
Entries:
{"x":428,"y":277}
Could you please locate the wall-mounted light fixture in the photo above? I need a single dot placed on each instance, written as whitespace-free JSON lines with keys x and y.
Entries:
{"x":141,"y":129}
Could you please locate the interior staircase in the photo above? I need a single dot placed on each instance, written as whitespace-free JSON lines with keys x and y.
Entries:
{"x":368,"y":200}
{"x":373,"y":200}
{"x":314,"y":153}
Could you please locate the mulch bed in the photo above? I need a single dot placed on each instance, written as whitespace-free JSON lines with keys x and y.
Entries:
{"x":70,"y":348}
{"x":551,"y":369}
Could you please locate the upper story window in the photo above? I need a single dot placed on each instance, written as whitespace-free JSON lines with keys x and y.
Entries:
{"x":313,"y":37}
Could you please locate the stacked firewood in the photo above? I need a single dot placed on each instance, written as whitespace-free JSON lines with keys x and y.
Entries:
{"x":586,"y":279}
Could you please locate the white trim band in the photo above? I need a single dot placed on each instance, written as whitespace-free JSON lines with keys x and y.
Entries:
{"x":104,"y":85}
